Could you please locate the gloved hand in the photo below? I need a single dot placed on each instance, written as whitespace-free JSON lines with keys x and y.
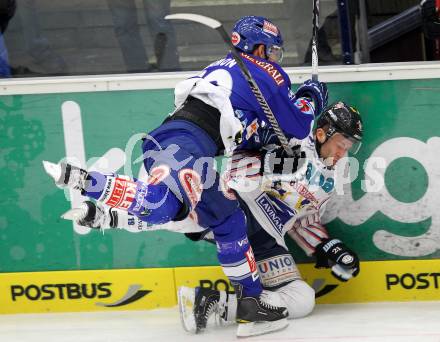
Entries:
{"x":278,"y":162}
{"x":315,"y":91}
{"x":343,"y":261}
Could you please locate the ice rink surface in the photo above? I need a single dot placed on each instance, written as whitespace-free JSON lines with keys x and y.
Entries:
{"x":412,"y":322}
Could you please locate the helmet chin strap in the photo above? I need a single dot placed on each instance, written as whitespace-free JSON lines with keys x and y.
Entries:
{"x":330,"y":132}
{"x":318,"y":146}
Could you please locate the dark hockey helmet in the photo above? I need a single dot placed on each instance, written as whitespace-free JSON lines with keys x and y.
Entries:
{"x":344,"y":119}
{"x":251,"y":30}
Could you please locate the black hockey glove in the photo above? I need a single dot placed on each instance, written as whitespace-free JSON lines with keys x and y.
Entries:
{"x":343,"y":261}
{"x":277,"y":161}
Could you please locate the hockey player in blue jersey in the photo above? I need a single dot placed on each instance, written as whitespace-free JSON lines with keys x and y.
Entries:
{"x":216,"y":113}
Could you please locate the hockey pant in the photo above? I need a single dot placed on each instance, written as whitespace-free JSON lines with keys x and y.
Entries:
{"x":179,"y":158}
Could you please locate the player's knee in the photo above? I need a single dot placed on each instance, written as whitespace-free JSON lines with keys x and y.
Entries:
{"x":158,"y":205}
{"x":299,"y":298}
{"x":231,"y":227}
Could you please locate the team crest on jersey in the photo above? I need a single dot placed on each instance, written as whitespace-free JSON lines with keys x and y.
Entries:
{"x":270,"y":28}
{"x":304,"y":106}
{"x":192,"y":185}
{"x":235,"y":38}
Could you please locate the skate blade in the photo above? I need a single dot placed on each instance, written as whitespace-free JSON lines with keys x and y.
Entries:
{"x":185,"y":298}
{"x":260,"y":328}
{"x":53,"y":170}
{"x":73,"y":214}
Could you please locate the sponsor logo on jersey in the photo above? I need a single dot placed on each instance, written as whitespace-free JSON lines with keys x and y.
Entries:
{"x":232,"y":247}
{"x":408,"y":281}
{"x":192,"y":185}
{"x":303,"y":191}
{"x":270,"y":28}
{"x":252,"y":263}
{"x":141,"y":193}
{"x":315,"y":177}
{"x":108,"y":189}
{"x":252,"y":128}
{"x":278,"y":270}
{"x":243,"y":242}
{"x":269,"y":211}
{"x":271,"y":70}
{"x":123,"y":194}
{"x":235,"y":38}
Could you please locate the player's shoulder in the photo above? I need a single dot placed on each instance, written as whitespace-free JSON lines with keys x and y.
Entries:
{"x":270,"y":72}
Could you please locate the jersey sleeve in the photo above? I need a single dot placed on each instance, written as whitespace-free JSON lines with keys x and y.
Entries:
{"x":295,"y":116}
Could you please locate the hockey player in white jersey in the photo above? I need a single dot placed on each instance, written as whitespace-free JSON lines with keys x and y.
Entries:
{"x":287,"y":206}
{"x":291,"y":202}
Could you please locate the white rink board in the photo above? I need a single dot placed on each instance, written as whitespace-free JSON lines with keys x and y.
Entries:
{"x":168,"y":80}
{"x":378,"y":322}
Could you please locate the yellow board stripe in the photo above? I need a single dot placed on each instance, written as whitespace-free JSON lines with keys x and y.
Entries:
{"x":141,"y":289}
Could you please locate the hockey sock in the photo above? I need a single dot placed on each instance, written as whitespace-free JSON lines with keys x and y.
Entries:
{"x":235,"y":253}
{"x":152,"y":203}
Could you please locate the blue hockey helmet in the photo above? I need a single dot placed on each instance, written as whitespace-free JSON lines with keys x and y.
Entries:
{"x":251,"y":30}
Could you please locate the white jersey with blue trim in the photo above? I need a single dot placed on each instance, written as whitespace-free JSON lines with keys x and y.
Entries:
{"x":278,"y":205}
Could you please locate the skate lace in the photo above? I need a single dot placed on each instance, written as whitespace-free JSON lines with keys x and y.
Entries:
{"x":78,"y":178}
{"x":220,"y":314}
{"x":265,"y":301}
{"x":211,"y":309}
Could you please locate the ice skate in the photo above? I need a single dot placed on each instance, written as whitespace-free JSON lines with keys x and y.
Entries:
{"x":66,"y":175}
{"x":260,"y":315}
{"x":198,"y":304}
{"x":92,"y":215}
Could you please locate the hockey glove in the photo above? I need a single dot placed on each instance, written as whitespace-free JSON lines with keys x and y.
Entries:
{"x":315,"y":91}
{"x":279,"y":163}
{"x":343,"y":262}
